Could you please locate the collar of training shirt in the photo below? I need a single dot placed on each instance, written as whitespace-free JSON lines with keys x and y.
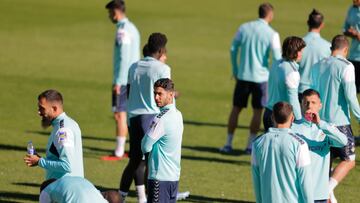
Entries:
{"x":264,"y":21}
{"x":169,"y":106}
{"x":57,"y":119}
{"x":314,"y":34}
{"x":122,"y":21}
{"x":281,"y":130}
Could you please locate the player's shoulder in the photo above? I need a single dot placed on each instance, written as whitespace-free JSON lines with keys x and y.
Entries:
{"x":343,"y":61}
{"x":297,"y":138}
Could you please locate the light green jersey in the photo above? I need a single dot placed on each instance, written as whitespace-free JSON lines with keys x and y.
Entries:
{"x":64,"y":155}
{"x":283,"y":85}
{"x":126,"y":50}
{"x":163,"y":141}
{"x":316,"y":49}
{"x":319,"y":139}
{"x":353,"y":20}
{"x":142,"y":77}
{"x":70,"y":189}
{"x":334,"y":79}
{"x":255,"y":39}
{"x":281,"y":168}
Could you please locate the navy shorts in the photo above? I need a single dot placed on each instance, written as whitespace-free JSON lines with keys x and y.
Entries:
{"x":162,"y":191}
{"x":242,"y":91}
{"x":138,"y":126}
{"x":346,"y":153}
{"x":267,"y":120}
{"x":119,"y":101}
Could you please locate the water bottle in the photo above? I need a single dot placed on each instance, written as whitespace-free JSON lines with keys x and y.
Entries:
{"x":30,"y":148}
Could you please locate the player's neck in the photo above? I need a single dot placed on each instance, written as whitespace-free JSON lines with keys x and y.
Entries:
{"x":316,"y":30}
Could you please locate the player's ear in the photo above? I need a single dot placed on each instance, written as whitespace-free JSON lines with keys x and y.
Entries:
{"x":320,"y":105}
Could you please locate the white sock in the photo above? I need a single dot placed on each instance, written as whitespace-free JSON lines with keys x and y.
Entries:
{"x":251,"y":138}
{"x":332,"y":184}
{"x":229,"y":139}
{"x":120,"y":145}
{"x":123,"y":196}
{"x":140,"y":189}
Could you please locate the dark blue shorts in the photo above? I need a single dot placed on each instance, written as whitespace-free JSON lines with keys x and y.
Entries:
{"x":346,"y":153}
{"x":162,"y":191}
{"x":242,"y":91}
{"x":119,"y":101}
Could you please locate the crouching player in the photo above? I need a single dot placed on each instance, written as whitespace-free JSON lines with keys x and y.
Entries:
{"x":163,"y":142}
{"x":320,"y":136}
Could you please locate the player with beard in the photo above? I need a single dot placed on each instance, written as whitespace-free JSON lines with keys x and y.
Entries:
{"x":64,"y":154}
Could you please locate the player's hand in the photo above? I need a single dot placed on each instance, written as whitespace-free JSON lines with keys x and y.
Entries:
{"x":312,"y":116}
{"x":31,"y":160}
{"x":116,"y":89}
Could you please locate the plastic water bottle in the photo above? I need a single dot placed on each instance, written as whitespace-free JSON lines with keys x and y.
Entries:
{"x":30,"y":148}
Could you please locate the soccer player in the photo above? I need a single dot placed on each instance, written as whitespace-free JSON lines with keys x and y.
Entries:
{"x":334,"y":77}
{"x":70,"y":189}
{"x":142,"y":109}
{"x":320,"y":136}
{"x":163,"y":143}
{"x":352,"y":29}
{"x":64,"y":154}
{"x":316,"y":49}
{"x":284,"y":79}
{"x":281,"y":162}
{"x":255,"y":39}
{"x":126,"y":52}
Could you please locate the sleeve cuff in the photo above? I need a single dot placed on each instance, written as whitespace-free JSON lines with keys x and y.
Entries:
{"x":41,"y":162}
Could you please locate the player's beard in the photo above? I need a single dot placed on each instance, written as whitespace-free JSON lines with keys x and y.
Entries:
{"x":45,"y":122}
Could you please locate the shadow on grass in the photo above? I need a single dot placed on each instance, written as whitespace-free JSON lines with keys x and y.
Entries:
{"x":18,"y":196}
{"x":103,"y":189}
{"x":234,"y":152}
{"x":211,"y":159}
{"x":17,"y":148}
{"x":222,"y":125}
{"x":198,"y":198}
{"x":28,"y":184}
{"x":85,"y":137}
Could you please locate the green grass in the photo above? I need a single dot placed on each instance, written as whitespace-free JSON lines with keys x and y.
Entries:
{"x":67,"y":45}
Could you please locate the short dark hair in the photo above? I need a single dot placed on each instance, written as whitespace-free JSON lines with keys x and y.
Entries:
{"x":46,"y":183}
{"x":281,"y":112}
{"x":116,"y":4}
{"x":339,"y":42}
{"x":146,"y":50}
{"x":156,"y":42}
{"x":51,"y":96}
{"x":315,"y":19}
{"x":265,"y":9}
{"x":291,"y":46}
{"x":165,"y":83}
{"x":310,"y":92}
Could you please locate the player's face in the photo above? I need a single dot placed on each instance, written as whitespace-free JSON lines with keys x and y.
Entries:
{"x":112,"y":15}
{"x":299,"y":55}
{"x":311,"y":103}
{"x":46,"y":112}
{"x":162,"y":97}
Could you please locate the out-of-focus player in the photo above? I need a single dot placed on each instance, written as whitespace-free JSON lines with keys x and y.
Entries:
{"x":255,"y":39}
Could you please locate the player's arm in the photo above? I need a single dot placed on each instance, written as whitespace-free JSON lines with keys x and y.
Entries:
{"x":337,"y":138}
{"x":348,"y":81}
{"x":348,"y":30}
{"x":292,"y":83}
{"x":304,"y":174}
{"x":234,"y":52}
{"x":255,"y":176}
{"x":155,"y":132}
{"x":124,"y":43}
{"x":276,"y":47}
{"x":64,"y":149}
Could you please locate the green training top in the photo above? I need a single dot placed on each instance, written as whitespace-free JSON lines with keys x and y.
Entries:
{"x":281,"y":168}
{"x":256,"y":39}
{"x":142,"y":77}
{"x":334,"y":79}
{"x":126,"y":50}
{"x":316,"y":49}
{"x":319,"y":139}
{"x":163,"y":141}
{"x":353,"y":20}
{"x":64,"y":155}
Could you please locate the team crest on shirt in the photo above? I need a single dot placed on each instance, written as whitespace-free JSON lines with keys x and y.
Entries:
{"x":123,"y":37}
{"x":62,"y":137}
